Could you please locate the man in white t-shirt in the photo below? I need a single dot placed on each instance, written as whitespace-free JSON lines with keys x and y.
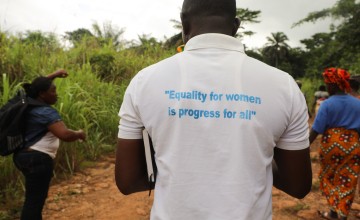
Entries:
{"x":225,"y":127}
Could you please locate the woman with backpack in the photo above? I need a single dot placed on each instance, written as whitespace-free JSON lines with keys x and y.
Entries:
{"x":44,"y":129}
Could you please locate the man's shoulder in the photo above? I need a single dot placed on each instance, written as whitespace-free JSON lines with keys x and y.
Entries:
{"x":164,"y":63}
{"x":162,"y":67}
{"x":264,"y":72}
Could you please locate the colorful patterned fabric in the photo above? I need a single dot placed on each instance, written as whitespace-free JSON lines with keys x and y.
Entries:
{"x":338,"y":76}
{"x":340,"y":165}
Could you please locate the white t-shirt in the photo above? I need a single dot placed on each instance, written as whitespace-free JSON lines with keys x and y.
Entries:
{"x":214,"y":116}
{"x":49,"y":144}
{"x":321,"y":94}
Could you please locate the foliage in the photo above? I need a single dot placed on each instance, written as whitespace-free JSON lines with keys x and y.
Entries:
{"x":89,"y":98}
{"x":309,"y":86}
{"x":246,"y":16}
{"x":104,"y":35}
{"x":343,"y":9}
{"x":255,"y":54}
{"x":297,"y":62}
{"x":276,"y":49}
{"x":101,"y":65}
{"x":338,"y":48}
{"x":174,"y":41}
{"x":176,"y":24}
{"x":39,"y":39}
{"x":75,"y":37}
{"x":108,"y":34}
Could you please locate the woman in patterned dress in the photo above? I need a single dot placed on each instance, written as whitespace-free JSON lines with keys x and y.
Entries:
{"x":339,"y":123}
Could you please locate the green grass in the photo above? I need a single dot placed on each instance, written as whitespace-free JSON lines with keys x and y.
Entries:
{"x":309,"y":86}
{"x":89,"y":99}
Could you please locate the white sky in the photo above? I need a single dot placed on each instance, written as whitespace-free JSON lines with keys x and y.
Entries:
{"x":153,"y":17}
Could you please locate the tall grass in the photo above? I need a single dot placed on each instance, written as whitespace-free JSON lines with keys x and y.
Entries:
{"x":5,"y":89}
{"x":89,"y":104}
{"x":10,"y":179}
{"x":309,"y":86}
{"x":89,"y":98}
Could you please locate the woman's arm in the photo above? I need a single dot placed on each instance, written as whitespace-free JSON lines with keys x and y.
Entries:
{"x":58,"y":74}
{"x":313,"y":135}
{"x":63,"y":133}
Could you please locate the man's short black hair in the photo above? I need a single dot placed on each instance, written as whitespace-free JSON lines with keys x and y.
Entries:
{"x":204,"y":8}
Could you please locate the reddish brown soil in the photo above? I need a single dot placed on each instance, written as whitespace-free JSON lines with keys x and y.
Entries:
{"x":92,"y":194}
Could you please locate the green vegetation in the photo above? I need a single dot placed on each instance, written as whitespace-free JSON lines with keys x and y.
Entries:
{"x":101,"y":65}
{"x":99,"y":71}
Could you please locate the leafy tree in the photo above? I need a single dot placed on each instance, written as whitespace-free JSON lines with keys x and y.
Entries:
{"x":176,"y":24}
{"x":255,"y":54}
{"x":246,"y":16}
{"x":108,"y":34}
{"x":317,"y":41}
{"x":344,"y":44}
{"x":276,"y":49}
{"x":297,"y":62}
{"x":76,"y":36}
{"x":102,"y":63}
{"x":175,"y":40}
{"x":145,"y":42}
{"x":342,"y":10}
{"x":319,"y":53}
{"x":40,"y":39}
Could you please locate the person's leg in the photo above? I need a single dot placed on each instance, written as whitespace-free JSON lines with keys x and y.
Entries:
{"x":341,"y":185}
{"x":327,"y":174}
{"x":328,"y":215}
{"x":37,"y":168}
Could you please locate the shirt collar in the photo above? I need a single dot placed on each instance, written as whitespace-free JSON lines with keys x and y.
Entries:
{"x":213,"y":40}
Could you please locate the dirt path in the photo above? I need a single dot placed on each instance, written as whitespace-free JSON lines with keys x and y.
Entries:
{"x":92,"y":194}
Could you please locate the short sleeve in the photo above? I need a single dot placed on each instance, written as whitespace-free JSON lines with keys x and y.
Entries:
{"x":130,"y":125}
{"x":296,"y":135}
{"x":320,"y":124}
{"x":45,"y":115}
{"x":317,"y":94}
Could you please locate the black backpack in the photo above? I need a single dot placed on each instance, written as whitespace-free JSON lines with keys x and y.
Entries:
{"x":12,"y":122}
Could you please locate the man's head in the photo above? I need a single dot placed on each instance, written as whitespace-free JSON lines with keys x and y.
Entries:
{"x":208,"y":16}
{"x":322,"y":88}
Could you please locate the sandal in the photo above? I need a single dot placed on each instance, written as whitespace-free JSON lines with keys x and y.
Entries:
{"x":357,"y":215}
{"x":328,"y":215}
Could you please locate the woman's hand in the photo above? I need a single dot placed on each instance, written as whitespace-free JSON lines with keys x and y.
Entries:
{"x":58,"y":74}
{"x":60,"y":130}
{"x":81,"y":135}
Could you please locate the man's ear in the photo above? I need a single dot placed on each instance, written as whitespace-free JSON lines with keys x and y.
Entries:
{"x":236,"y":26}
